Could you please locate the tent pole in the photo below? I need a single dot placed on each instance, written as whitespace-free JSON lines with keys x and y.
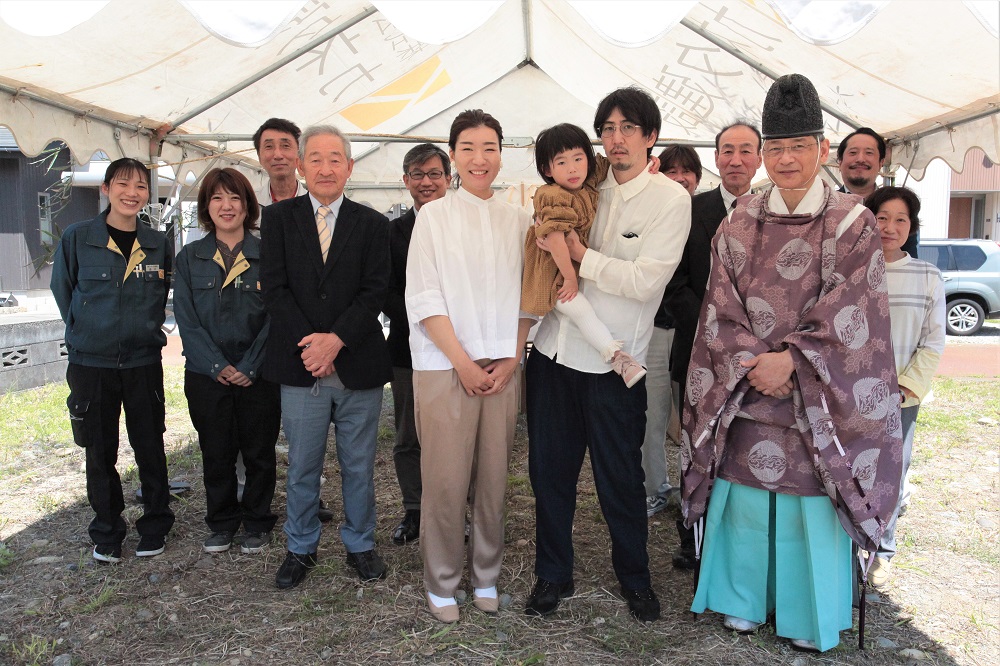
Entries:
{"x":757,"y":65}
{"x":278,"y":64}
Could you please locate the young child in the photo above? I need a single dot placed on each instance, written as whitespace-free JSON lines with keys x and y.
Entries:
{"x":566,"y":160}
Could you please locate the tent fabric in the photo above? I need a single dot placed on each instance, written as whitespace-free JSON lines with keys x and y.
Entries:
{"x":123,"y":69}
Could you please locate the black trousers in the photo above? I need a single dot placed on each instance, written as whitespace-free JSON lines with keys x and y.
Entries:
{"x":95,"y":403}
{"x":406,"y":450}
{"x":232,"y":420}
{"x":571,"y":413}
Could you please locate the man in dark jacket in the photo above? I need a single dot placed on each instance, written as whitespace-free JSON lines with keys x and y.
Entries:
{"x":737,"y":157}
{"x":426,"y":174}
{"x":325,"y":271}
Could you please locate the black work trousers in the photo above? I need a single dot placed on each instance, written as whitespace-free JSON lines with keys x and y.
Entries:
{"x":95,"y":403}
{"x":231,"y":420}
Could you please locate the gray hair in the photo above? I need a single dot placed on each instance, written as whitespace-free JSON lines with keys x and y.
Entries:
{"x":316,"y":130}
{"x":422,"y":152}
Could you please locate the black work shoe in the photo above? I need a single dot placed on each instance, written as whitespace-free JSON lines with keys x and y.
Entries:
{"x":684,"y":556}
{"x":254,"y":542}
{"x":149,"y":545}
{"x":294,"y":569}
{"x":545,"y":597}
{"x":642,"y":604}
{"x":325,"y":515}
{"x":408,"y":530}
{"x":219,"y":542}
{"x":108,"y":553}
{"x":368,"y":564}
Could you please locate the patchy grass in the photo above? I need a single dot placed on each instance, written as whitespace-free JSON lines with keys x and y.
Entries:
{"x":188,"y":607}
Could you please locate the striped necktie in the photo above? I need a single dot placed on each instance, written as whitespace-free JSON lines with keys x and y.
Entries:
{"x":323,"y":229}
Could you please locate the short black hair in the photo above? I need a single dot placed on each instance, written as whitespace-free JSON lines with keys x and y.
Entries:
{"x":472,"y":118}
{"x":422,"y":152}
{"x":127,"y":166}
{"x":558,"y":138}
{"x":278,"y":125}
{"x":637,"y":107}
{"x":862,"y":130}
{"x":684,"y":157}
{"x":889,"y":193}
{"x":740,"y":123}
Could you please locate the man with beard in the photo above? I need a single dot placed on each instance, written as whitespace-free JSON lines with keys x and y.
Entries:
{"x":861,"y":155}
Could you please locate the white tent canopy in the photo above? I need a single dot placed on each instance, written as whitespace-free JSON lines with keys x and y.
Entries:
{"x":106,"y":74}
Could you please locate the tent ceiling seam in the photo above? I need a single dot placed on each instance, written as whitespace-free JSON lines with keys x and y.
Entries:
{"x":273,"y":67}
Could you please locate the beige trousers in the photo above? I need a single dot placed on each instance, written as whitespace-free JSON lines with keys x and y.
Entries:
{"x":465,"y":443}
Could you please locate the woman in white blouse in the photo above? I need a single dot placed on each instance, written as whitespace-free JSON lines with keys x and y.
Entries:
{"x":467,"y":334}
{"x":916,"y":310}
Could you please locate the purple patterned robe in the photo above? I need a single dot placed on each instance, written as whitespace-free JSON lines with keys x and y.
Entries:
{"x":790,"y":281}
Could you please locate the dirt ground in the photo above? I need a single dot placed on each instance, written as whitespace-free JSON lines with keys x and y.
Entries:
{"x":58,"y":606}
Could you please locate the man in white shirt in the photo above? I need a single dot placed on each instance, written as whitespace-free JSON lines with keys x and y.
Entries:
{"x":277,"y":146}
{"x":575,"y":403}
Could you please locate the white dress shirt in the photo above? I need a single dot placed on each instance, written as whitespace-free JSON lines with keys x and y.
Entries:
{"x":465,"y":262}
{"x":635,"y":245}
{"x":264,"y":193}
{"x":331,"y":217}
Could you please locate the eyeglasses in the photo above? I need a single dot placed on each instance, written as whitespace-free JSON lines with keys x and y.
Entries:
{"x":433,"y":174}
{"x":627,"y":129}
{"x":795,"y":149}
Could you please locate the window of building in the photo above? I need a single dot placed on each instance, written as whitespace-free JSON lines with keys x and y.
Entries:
{"x":45,"y":214}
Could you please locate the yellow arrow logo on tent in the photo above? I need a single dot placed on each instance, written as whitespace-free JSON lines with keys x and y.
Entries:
{"x":413,"y":87}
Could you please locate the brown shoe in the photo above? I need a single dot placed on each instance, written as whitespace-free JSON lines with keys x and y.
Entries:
{"x":486,"y":604}
{"x":878,"y":574}
{"x":446,"y":614}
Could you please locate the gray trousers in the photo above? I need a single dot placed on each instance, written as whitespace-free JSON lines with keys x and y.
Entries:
{"x":887,"y":547}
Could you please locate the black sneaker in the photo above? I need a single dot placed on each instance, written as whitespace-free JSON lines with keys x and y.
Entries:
{"x":642,"y":604}
{"x":254,"y":542}
{"x":108,"y":553}
{"x":219,"y":542}
{"x":544,"y":599}
{"x":149,"y":545}
{"x":368,"y":564}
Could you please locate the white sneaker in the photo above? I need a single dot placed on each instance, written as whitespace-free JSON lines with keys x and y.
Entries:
{"x":739,"y":625}
{"x":803,"y":645}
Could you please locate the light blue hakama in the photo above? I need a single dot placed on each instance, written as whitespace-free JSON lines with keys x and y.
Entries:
{"x":766,"y":553}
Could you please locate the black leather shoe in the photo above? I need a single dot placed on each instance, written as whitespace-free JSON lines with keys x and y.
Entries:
{"x":544,"y":599}
{"x":684,"y":555}
{"x":325,"y":515}
{"x":368,"y":564}
{"x":408,"y":530}
{"x":294,"y":569}
{"x":642,"y":604}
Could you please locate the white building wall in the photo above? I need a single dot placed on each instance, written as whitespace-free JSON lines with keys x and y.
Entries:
{"x":934,"y":191}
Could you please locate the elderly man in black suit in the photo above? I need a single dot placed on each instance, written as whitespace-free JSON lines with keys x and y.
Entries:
{"x":737,"y":157}
{"x":325,"y":272}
